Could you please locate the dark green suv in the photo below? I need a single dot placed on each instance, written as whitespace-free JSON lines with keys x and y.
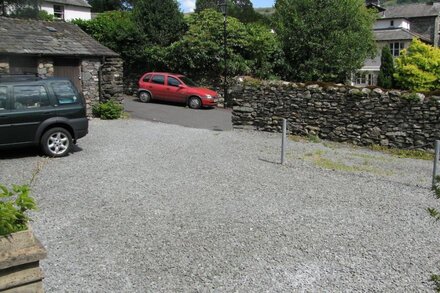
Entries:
{"x":48,"y":112}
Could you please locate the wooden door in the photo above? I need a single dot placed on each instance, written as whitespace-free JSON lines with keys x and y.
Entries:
{"x":69,"y":68}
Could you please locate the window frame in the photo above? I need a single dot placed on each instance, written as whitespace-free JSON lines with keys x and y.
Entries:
{"x":7,"y":103}
{"x":13,"y":98}
{"x":72,"y":87}
{"x":396,"y":48}
{"x":155,"y":75}
{"x":176,"y":79}
{"x":60,"y":12}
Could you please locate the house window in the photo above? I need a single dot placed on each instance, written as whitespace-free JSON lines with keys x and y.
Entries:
{"x":364,"y":78}
{"x":392,"y":23}
{"x":58,"y":11}
{"x":396,"y":48}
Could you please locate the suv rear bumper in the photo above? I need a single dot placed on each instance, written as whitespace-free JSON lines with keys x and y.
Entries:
{"x":80,"y":127}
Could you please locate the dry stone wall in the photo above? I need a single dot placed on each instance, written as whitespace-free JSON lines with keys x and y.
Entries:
{"x":361,"y":116}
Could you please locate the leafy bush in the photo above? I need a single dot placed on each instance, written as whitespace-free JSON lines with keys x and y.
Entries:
{"x":108,"y":110}
{"x":418,"y":67}
{"x":14,"y":205}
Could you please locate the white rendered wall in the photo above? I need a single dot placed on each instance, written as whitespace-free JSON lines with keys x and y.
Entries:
{"x":386,"y":23}
{"x":70,"y":12}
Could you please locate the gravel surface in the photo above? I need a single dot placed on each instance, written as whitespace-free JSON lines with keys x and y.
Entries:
{"x":151,"y":207}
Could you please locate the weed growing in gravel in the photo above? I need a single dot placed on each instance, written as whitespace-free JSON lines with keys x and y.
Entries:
{"x":308,"y":138}
{"x":326,"y":163}
{"x":408,"y":154}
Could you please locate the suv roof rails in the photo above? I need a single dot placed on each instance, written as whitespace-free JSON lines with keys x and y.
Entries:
{"x":19,"y":77}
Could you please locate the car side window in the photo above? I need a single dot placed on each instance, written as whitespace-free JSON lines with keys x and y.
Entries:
{"x":3,"y":98}
{"x":147,"y":78}
{"x":30,"y":97}
{"x":65,"y":93}
{"x":173,"y":81}
{"x":158,"y":79}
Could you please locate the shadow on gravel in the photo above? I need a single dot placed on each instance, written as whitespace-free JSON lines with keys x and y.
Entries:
{"x":24,"y":152}
{"x":269,"y":161}
{"x":175,"y":104}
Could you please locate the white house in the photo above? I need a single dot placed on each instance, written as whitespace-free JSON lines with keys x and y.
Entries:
{"x":67,"y":9}
{"x":396,"y":27}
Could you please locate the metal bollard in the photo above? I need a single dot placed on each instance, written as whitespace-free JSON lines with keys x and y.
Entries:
{"x":435,"y":172}
{"x":283,"y":141}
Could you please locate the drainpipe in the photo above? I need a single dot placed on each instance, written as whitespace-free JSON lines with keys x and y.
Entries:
{"x":100,"y":78}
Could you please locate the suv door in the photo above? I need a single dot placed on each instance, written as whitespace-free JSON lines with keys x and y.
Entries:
{"x":5,"y":123}
{"x":30,"y":106}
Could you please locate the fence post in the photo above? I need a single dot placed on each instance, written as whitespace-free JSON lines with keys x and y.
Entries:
{"x":283,"y":141}
{"x":435,"y":172}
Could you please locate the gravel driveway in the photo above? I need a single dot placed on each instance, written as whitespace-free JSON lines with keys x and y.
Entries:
{"x":151,"y":207}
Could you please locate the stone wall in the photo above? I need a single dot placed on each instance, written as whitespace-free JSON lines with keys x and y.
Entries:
{"x":112,"y":83}
{"x":90,"y":81}
{"x":339,"y":113}
{"x":4,"y":65}
{"x":45,"y":67}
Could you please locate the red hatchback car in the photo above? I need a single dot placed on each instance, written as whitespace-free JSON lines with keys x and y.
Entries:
{"x":174,"y":88}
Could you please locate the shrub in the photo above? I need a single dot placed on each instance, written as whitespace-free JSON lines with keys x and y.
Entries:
{"x":418,"y":67}
{"x":108,"y":110}
{"x":386,"y":78}
{"x":14,"y":205}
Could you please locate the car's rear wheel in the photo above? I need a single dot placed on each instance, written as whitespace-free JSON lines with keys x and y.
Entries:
{"x":195,"y":103}
{"x":56,"y":142}
{"x":145,"y":97}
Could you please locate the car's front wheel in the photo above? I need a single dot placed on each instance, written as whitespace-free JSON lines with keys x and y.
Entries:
{"x":145,"y":97}
{"x":194,"y":103}
{"x":56,"y":142}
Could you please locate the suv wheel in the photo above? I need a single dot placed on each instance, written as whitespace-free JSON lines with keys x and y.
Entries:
{"x":56,"y":142}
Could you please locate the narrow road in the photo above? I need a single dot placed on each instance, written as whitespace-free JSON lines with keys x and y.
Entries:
{"x":208,"y":118}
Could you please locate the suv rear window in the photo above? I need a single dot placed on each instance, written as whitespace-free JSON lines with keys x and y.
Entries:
{"x":64,"y":92}
{"x":30,"y":96}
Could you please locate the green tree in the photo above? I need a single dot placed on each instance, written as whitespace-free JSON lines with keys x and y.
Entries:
{"x":106,"y":5}
{"x":160,"y":21}
{"x":418,"y":67}
{"x":324,"y":39}
{"x":386,"y":74}
{"x":20,"y":8}
{"x":243,"y":10}
{"x":252,"y":49}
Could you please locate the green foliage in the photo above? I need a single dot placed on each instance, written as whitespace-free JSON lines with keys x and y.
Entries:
{"x":43,"y":15}
{"x":252,"y":48}
{"x":405,"y":154}
{"x":436,"y":280}
{"x":106,"y":5}
{"x":243,"y":10}
{"x":324,"y":40}
{"x":159,"y":21}
{"x":14,"y":205}
{"x":386,"y":78}
{"x":20,"y":8}
{"x":413,"y":97}
{"x":108,"y":110}
{"x":418,"y":67}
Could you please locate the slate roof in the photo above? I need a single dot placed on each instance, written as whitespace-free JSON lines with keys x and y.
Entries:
{"x":398,"y":34}
{"x":33,"y":37}
{"x":412,"y":10}
{"x":82,"y":3}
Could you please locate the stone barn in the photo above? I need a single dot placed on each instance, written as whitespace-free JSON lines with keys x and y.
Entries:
{"x":61,"y":49}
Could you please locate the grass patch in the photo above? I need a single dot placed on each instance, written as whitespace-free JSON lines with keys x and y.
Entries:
{"x":407,"y":154}
{"x":326,"y":163}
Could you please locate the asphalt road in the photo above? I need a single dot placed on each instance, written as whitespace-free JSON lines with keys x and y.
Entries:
{"x":208,"y":118}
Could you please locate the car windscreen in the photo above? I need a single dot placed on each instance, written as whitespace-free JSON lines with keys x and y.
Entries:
{"x":188,"y":81}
